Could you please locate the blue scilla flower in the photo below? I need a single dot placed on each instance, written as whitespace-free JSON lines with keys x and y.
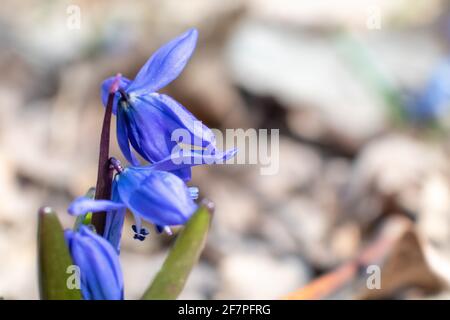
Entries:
{"x":100,"y":273}
{"x":155,"y":196}
{"x":146,"y":119}
{"x":154,"y":193}
{"x":434,"y":101}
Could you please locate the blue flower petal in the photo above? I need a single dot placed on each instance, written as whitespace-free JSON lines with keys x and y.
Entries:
{"x":123,"y":136}
{"x":149,"y":131}
{"x":181,"y":160}
{"x":165,"y":64}
{"x":185,"y":158}
{"x":114,"y":221}
{"x":133,"y":131}
{"x":157,"y":123}
{"x":106,"y":85}
{"x":159,"y":229}
{"x":201,"y":135}
{"x":100,"y":271}
{"x":83,"y":205}
{"x":115,"y":214}
{"x":184,"y":174}
{"x":158,"y":197}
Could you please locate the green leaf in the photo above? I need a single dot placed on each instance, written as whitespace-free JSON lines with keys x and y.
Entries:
{"x":54,"y":259}
{"x":170,"y":280}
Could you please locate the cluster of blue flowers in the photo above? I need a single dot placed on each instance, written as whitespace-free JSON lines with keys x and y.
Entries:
{"x":155,"y":192}
{"x":433,"y":102}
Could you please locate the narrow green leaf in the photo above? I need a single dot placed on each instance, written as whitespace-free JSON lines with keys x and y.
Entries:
{"x":170,"y":280}
{"x":54,"y":259}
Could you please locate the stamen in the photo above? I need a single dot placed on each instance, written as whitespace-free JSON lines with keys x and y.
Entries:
{"x":143,"y":232}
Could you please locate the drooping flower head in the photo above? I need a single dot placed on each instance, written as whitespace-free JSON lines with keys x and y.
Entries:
{"x":100,"y":271}
{"x":152,"y":193}
{"x":147,"y":119}
{"x":157,"y":196}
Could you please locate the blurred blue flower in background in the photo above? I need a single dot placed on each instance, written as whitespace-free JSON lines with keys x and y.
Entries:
{"x":100,"y":272}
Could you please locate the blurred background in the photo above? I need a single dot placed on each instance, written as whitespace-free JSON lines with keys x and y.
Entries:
{"x":360,"y":91}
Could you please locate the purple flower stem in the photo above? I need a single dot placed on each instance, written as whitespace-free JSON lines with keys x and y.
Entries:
{"x":105,"y":171}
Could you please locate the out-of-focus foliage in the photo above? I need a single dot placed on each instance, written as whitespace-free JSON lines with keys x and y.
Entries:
{"x":345,"y":168}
